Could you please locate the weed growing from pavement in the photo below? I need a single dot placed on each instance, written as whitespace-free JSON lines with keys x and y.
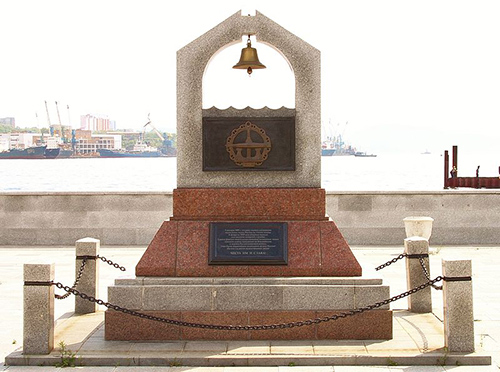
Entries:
{"x":391,"y":362}
{"x":68,"y":358}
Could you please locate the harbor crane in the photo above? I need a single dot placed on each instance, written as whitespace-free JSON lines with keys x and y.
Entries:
{"x":47,"y":110}
{"x":58,"y":115}
{"x":154,"y":129}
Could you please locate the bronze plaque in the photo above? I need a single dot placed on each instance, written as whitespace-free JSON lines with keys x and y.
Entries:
{"x":231,"y":143}
{"x":248,"y":243}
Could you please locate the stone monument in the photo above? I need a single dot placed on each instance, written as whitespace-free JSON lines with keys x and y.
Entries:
{"x":249,"y":241}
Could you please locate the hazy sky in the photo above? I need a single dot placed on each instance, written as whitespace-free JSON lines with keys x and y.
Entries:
{"x":406,"y":75}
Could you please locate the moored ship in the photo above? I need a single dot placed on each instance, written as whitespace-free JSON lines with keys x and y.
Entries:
{"x":37,"y":152}
{"x":336,"y":147}
{"x":140,"y":150}
{"x":107,"y":153}
{"x":51,"y":153}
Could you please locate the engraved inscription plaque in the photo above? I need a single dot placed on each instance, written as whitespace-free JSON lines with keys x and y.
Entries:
{"x":248,"y":243}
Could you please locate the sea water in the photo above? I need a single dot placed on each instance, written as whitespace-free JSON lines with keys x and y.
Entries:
{"x":403,"y":172}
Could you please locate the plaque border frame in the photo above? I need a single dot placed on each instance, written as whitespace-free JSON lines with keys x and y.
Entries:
{"x":212,"y":257}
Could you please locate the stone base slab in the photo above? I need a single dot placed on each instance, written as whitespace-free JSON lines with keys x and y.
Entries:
{"x":246,"y":294}
{"x":247,"y":301}
{"x":372,"y":325}
{"x":181,"y":249}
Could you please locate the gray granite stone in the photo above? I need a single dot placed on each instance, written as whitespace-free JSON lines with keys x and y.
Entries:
{"x":89,"y":280}
{"x":305,"y":62}
{"x":177,"y":298}
{"x":248,"y":297}
{"x":369,"y":295}
{"x":420,"y":302}
{"x":130,"y":281}
{"x":458,"y":307}
{"x":318,"y":297}
{"x":87,"y":247}
{"x":38,"y":313}
{"x":129,"y":297}
{"x":355,"y":203}
{"x":38,"y":272}
{"x":238,"y":294}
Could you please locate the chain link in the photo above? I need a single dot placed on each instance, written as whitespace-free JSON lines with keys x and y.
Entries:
{"x":77,"y":280}
{"x":389,"y":263}
{"x":111,"y":263}
{"x":248,"y":327}
{"x":80,"y":273}
{"x":427,"y":276}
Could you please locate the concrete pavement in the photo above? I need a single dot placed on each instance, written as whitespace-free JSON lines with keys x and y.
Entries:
{"x":414,"y":335}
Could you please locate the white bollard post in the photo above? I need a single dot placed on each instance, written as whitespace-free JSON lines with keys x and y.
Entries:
{"x":89,"y":281}
{"x":417,"y":248}
{"x":418,"y":226}
{"x":458,"y":306}
{"x":38,"y":313}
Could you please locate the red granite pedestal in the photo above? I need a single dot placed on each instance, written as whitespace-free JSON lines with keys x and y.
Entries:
{"x":176,"y":263}
{"x":315,"y":245}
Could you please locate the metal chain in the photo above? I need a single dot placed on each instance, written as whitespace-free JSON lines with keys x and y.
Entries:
{"x":248,"y":327}
{"x":389,"y":263}
{"x":426,"y":273}
{"x":111,"y":263}
{"x":77,"y":280}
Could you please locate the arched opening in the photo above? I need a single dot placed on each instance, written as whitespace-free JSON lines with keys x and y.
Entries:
{"x":224,"y":86}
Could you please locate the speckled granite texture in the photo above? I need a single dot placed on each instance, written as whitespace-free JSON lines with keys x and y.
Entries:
{"x":263,"y":204}
{"x":315,"y":248}
{"x":315,"y":245}
{"x":304,"y":60}
{"x":373,"y":325}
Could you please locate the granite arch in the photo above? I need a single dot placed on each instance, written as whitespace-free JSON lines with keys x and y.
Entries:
{"x":304,"y":59}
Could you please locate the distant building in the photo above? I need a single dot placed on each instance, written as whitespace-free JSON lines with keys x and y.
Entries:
{"x":4,"y":143}
{"x":128,"y":135}
{"x":97,"y":123}
{"x":8,"y":121}
{"x":17,"y":141}
{"x":88,"y":143}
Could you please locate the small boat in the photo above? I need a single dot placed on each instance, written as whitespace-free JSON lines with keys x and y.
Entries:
{"x":107,"y":153}
{"x":327,"y":152}
{"x":364,"y":155}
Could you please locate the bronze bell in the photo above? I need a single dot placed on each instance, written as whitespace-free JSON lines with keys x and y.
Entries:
{"x":249,"y":59}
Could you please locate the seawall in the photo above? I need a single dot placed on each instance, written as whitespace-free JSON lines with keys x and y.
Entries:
{"x":461,"y":217}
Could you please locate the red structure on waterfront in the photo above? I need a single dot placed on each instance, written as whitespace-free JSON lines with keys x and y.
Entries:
{"x":451,"y":178}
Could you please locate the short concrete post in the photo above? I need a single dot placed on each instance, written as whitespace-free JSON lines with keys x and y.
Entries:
{"x":89,"y":281}
{"x":38,"y":332}
{"x":458,"y":306}
{"x":415,"y":247}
